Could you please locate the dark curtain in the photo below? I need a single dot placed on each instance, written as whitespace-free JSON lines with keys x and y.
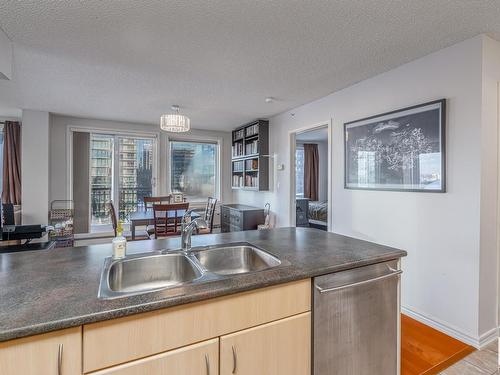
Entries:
{"x":11,"y":192}
{"x":311,"y":171}
{"x":81,"y":178}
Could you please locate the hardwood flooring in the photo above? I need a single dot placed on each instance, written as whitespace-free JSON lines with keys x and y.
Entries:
{"x":480,"y":362}
{"x":426,"y":351}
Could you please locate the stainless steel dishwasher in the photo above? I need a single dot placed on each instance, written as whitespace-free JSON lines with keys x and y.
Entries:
{"x":356,"y":321}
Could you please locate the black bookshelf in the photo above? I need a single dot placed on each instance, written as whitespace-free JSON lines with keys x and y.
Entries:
{"x":250,"y":159}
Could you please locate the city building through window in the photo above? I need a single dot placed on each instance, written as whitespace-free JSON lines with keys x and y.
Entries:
{"x":122,"y":172}
{"x":299,"y":171}
{"x":194,"y":169}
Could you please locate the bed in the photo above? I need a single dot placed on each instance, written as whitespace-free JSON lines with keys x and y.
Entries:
{"x":318,"y":214}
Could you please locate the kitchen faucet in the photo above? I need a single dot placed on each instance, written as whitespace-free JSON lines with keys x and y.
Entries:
{"x":187,"y":230}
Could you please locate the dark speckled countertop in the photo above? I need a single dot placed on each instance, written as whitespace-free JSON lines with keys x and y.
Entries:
{"x":42,"y":291}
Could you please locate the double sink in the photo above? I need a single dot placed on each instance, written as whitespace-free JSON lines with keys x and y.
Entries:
{"x":147,"y":272}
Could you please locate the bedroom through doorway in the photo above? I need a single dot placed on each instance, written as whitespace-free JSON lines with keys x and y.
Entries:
{"x":310,"y":190}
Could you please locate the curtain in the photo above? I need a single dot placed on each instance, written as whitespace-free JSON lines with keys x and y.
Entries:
{"x":81,"y":178}
{"x":311,"y":171}
{"x":11,"y":189}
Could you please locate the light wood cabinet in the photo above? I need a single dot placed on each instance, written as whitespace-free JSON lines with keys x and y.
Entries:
{"x":122,"y":340}
{"x":199,"y":359}
{"x":282,"y":347}
{"x":269,"y":329}
{"x":55,"y":353}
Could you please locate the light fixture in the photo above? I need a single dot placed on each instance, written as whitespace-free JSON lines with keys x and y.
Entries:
{"x":175,"y":122}
{"x":269,"y":99}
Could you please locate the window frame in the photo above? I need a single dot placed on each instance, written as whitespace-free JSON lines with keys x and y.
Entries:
{"x":298,"y":147}
{"x":196,"y":139}
{"x":70,"y":129}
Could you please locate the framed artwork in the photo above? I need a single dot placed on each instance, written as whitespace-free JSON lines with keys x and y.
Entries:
{"x":403,"y":150}
{"x":177,"y":197}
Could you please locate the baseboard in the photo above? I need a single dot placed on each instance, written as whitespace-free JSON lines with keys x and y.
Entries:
{"x":488,"y":337}
{"x":476,"y":342}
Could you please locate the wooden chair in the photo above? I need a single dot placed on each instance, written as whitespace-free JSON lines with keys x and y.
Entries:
{"x":141,"y":235}
{"x":149,"y":202}
{"x":168,"y":218}
{"x":209,"y":216}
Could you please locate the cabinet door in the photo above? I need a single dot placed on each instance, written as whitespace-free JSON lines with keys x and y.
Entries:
{"x":199,"y":359}
{"x":224,"y":219}
{"x":56,"y":353}
{"x":282,"y":347}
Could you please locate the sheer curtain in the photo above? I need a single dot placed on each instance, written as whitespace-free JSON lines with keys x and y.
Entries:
{"x":11,"y":189}
{"x":311,"y":171}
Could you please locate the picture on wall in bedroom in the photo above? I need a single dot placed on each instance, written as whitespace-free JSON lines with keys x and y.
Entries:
{"x":402,"y":150}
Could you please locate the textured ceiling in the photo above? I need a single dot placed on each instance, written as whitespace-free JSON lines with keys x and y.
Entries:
{"x":130,"y":60}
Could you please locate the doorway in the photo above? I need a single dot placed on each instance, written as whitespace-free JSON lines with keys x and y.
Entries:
{"x":310,"y":182}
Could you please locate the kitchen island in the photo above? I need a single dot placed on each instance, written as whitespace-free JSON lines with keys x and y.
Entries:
{"x":56,"y":290}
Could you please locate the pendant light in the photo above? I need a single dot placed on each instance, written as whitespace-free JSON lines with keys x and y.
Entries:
{"x":175,"y":122}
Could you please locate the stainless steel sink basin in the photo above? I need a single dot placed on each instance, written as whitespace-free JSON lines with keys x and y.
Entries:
{"x":149,"y":272}
{"x":231,"y":260}
{"x":144,"y":273}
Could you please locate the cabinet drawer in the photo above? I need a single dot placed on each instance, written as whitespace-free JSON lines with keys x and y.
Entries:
{"x":202,"y":358}
{"x":40,"y":354}
{"x":278,"y":348}
{"x":235,"y":217}
{"x":224,"y":212}
{"x":121,"y":340}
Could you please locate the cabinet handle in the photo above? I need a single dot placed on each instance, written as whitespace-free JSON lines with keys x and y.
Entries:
{"x":326,"y":290}
{"x":59,"y":359}
{"x":207,"y":363}
{"x":235,"y":359}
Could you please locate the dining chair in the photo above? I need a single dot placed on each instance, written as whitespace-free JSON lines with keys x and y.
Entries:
{"x":149,"y":202}
{"x":140,"y":235}
{"x":209,"y":216}
{"x":168,"y":218}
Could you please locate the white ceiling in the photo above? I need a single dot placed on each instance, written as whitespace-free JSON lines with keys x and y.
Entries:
{"x":316,"y":135}
{"x":131,"y":60}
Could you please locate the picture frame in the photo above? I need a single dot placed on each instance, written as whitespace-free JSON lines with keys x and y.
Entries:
{"x":401,"y":150}
{"x":177,"y":197}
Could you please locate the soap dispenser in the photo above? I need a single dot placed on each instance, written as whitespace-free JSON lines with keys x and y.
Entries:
{"x":119,"y":243}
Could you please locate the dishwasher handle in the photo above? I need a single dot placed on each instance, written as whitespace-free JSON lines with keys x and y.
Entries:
{"x":363,"y":282}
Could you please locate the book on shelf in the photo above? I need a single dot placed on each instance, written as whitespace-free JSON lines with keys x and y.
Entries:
{"x":238,"y":166}
{"x":238,"y":149}
{"x":238,"y":134}
{"x":252,"y":130}
{"x":251,"y":181}
{"x":237,"y":181}
{"x":252,"y":164}
{"x":252,"y":148}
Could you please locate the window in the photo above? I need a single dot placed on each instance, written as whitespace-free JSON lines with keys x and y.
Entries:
{"x":194,"y":169}
{"x":299,"y":172}
{"x":121,"y":171}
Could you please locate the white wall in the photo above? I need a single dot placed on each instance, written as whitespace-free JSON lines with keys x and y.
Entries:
{"x":9,"y":118}
{"x":488,"y":271}
{"x":323,"y":171}
{"x":5,"y":56}
{"x":58,"y":150}
{"x":35,"y":167}
{"x":441,"y":232}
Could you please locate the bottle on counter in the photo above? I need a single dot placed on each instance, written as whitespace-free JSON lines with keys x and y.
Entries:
{"x":119,"y":243}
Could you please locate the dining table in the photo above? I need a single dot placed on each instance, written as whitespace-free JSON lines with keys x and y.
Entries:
{"x":145,"y":218}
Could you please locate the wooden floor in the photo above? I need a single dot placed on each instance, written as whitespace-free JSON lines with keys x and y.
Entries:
{"x":425,"y":350}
